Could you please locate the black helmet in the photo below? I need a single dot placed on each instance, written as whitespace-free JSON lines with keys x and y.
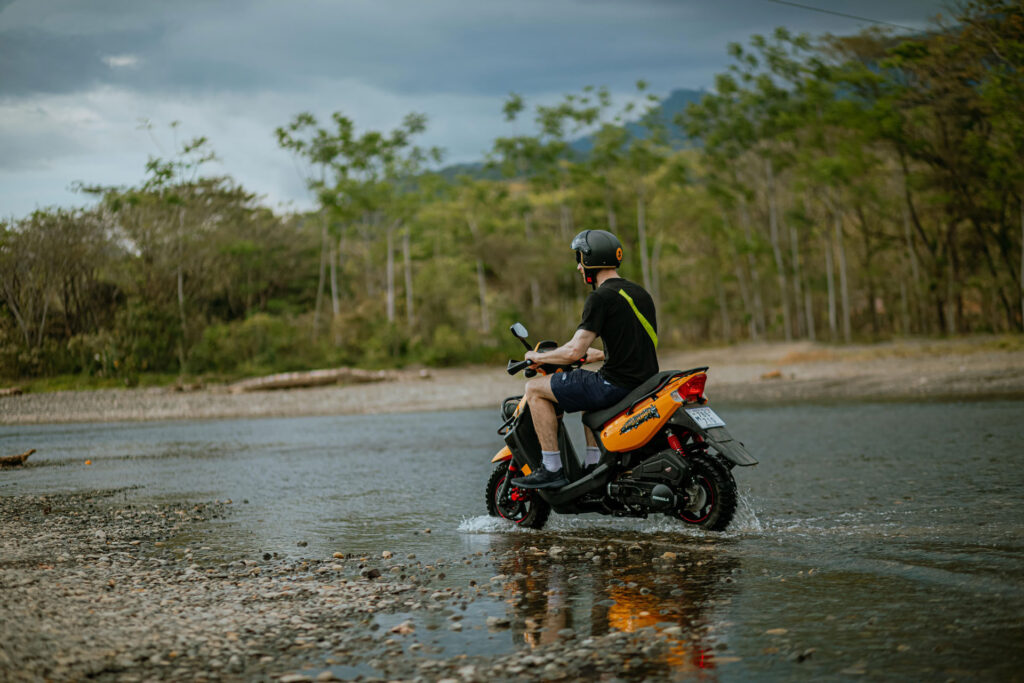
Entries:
{"x":597,"y":249}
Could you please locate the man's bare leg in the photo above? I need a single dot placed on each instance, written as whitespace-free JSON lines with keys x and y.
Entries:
{"x":542,"y":404}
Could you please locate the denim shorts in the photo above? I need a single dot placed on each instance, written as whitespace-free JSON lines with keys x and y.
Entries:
{"x":584,"y":390}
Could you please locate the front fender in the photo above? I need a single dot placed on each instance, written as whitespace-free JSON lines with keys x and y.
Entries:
{"x":718,"y":437}
{"x":504,"y":454}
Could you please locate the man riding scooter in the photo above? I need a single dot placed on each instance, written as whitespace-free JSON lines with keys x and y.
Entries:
{"x":622,"y":314}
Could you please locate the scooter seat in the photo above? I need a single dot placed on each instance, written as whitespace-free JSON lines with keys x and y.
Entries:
{"x":596,"y":419}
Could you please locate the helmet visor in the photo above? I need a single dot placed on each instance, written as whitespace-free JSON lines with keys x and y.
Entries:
{"x":579,"y":244}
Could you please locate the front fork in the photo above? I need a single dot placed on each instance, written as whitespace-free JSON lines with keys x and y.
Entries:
{"x":506,"y":484}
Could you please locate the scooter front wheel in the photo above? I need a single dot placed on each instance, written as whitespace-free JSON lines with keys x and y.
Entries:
{"x":522,"y":506}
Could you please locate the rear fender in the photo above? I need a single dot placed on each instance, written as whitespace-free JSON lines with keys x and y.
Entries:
{"x":718,"y":437}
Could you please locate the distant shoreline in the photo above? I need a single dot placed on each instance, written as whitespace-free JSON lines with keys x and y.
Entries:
{"x":801,"y":372}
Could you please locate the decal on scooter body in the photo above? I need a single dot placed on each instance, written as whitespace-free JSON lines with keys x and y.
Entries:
{"x":649,"y":413}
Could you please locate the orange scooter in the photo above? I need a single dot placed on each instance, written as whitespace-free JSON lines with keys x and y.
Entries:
{"x":663,"y":450}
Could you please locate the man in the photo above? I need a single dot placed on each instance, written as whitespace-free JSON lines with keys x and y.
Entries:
{"x":622,"y":314}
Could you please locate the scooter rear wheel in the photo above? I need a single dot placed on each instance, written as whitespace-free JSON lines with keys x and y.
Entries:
{"x":711,"y":495}
{"x":522,"y":506}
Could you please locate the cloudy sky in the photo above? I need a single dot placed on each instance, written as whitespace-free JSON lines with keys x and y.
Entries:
{"x":77,"y":78}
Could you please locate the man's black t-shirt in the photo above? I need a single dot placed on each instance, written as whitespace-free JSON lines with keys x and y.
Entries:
{"x":630,"y":354}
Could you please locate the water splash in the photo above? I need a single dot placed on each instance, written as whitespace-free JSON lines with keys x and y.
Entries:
{"x":485,"y":524}
{"x":745,"y":521}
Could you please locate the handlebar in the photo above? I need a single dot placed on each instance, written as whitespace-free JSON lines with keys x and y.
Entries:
{"x":515,"y":367}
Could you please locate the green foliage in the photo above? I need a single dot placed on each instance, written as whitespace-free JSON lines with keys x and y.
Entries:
{"x":847,"y":187}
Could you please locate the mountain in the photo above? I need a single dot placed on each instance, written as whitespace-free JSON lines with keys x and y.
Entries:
{"x":669,"y":108}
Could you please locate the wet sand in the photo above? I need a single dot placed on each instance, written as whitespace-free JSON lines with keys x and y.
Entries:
{"x":749,"y":373}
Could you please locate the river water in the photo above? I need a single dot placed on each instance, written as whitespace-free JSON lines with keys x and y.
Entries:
{"x":877,"y":540}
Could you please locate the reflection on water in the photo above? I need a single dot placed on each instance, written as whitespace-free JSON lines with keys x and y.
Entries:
{"x":882,"y":539}
{"x":618,"y":587}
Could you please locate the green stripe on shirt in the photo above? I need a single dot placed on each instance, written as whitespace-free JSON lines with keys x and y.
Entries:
{"x":641,"y":318}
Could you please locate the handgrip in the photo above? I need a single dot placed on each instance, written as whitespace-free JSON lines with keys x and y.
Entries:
{"x":514,"y":367}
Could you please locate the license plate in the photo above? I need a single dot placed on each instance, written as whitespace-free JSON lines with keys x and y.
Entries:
{"x":705,"y":417}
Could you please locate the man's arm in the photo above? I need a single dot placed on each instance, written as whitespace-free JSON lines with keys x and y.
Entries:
{"x":571,"y":351}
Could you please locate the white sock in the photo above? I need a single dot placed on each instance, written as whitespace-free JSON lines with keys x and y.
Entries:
{"x":592,"y":456}
{"x":552,"y":460}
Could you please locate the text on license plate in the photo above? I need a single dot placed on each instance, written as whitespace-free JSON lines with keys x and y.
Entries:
{"x":705,"y":417}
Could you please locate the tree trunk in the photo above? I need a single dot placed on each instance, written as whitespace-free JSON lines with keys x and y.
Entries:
{"x":534,"y":284}
{"x":914,"y":291}
{"x":641,"y":232}
{"x":830,"y":280}
{"x":335,"y":302}
{"x":754,"y":276}
{"x":780,"y":266}
{"x":481,"y":280}
{"x":809,"y":313}
{"x":723,"y":310}
{"x":12,"y":305}
{"x":369,"y":233}
{"x":747,"y":303}
{"x":868,"y":276}
{"x":956,"y":302}
{"x":322,"y":275}
{"x":46,"y":309}
{"x":390,"y":272}
{"x":481,"y":284}
{"x":1022,"y":261}
{"x":613,"y":223}
{"x":904,"y":309}
{"x":564,"y":214}
{"x":801,"y":320}
{"x":407,"y":270}
{"x":844,"y":285}
{"x":655,"y":269}
{"x":181,"y":292}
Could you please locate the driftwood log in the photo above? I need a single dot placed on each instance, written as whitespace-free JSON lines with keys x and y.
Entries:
{"x":317,"y":378}
{"x":16,"y":460}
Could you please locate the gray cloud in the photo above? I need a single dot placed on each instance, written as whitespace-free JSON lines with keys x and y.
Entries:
{"x":233,"y":70}
{"x":405,"y":46}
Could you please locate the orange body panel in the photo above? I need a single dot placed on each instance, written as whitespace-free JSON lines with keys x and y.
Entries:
{"x":632,"y":430}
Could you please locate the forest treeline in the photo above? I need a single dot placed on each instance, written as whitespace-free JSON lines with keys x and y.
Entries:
{"x":835,"y":189}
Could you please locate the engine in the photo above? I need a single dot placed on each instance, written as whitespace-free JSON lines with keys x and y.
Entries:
{"x":653,"y":482}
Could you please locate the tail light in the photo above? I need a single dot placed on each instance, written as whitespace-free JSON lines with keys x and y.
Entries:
{"x":691,"y":390}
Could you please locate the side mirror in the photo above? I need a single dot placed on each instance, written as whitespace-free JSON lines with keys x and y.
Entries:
{"x":519,"y":330}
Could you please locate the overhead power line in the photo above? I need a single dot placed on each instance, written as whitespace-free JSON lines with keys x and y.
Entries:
{"x":842,"y":14}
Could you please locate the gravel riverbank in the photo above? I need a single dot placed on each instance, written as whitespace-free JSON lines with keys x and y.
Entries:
{"x":752,"y":373}
{"x":96,"y":587}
